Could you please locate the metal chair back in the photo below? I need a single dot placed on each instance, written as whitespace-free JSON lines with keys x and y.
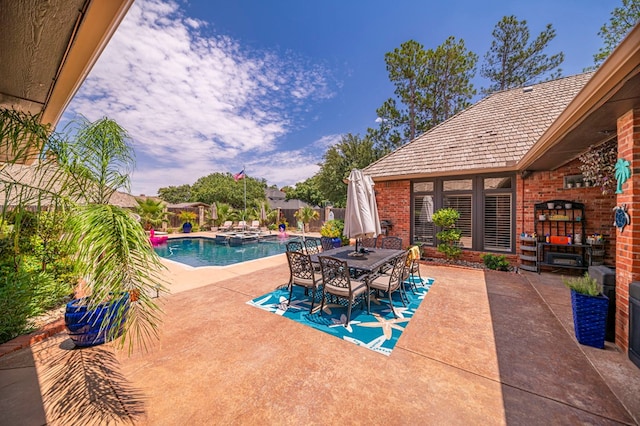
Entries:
{"x":392,"y":243}
{"x":294,"y":246}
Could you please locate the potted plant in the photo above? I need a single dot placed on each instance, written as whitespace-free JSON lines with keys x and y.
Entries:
{"x":187,"y":217}
{"x":333,"y":229}
{"x":449,"y":236}
{"x":305,"y":215}
{"x":590,"y":309}
{"x":81,"y":171}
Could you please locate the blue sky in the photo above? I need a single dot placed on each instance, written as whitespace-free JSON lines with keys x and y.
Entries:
{"x":206,"y":87}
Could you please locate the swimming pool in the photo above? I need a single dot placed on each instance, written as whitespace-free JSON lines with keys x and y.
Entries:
{"x":200,"y":251}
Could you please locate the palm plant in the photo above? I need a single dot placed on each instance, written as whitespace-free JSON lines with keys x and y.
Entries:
{"x":152,"y":213}
{"x":306,"y":214}
{"x":80,"y":173}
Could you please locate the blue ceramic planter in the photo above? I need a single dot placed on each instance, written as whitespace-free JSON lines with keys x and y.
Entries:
{"x":337,"y":242}
{"x":589,"y":318}
{"x":186,"y":227}
{"x":84,"y":326}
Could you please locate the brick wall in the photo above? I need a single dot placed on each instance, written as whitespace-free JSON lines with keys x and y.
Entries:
{"x":549,"y":185}
{"x":394,"y":203}
{"x":628,"y":242}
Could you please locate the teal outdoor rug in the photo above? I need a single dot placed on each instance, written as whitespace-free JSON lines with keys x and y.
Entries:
{"x":378,"y":331}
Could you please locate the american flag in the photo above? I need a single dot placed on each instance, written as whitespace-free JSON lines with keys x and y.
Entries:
{"x":239,"y":175}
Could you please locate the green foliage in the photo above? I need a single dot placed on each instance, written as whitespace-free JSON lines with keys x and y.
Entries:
{"x":513,"y":62}
{"x":305,"y":215}
{"x":332,"y":228}
{"x":152,"y":213}
{"x":110,"y":248}
{"x":622,"y":19}
{"x":352,"y":152}
{"x":495,"y":262}
{"x":222,"y":187}
{"x":430,"y":86}
{"x":307,"y":191}
{"x":175,"y":194}
{"x":449,"y":236}
{"x":584,"y":284}
{"x":187,"y":216}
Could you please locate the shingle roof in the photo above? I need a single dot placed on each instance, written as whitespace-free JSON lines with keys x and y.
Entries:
{"x":494,"y":133}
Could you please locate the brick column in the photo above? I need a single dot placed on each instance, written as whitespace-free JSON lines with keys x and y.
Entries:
{"x":628,"y":241}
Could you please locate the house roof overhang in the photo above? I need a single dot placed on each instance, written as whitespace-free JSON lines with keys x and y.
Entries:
{"x":591,"y":117}
{"x":48,"y":48}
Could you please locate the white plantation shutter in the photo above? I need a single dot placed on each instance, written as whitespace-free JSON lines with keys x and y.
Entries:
{"x":497,"y":222}
{"x":462,"y":203}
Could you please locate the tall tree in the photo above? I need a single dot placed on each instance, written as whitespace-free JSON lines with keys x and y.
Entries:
{"x":351,"y":152}
{"x":307,"y":191}
{"x":513,"y":62}
{"x":448,"y":85}
{"x":622,"y":19}
{"x":222,"y":187}
{"x":175,"y":194}
{"x":407,"y":67}
{"x":431,"y":85}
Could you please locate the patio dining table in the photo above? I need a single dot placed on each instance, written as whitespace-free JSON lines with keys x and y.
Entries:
{"x":369,"y":262}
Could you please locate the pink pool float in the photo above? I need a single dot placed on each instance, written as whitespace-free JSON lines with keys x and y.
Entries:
{"x":157,"y":240}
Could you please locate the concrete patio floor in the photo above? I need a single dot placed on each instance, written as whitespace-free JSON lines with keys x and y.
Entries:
{"x":484,"y":347}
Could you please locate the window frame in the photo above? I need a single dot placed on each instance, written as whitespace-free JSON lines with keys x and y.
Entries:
{"x":478,"y":205}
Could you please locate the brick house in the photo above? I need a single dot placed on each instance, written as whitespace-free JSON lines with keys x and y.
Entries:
{"x":496,"y":160}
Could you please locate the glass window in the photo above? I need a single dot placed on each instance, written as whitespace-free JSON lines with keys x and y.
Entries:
{"x":457,"y":185}
{"x":423,"y":227}
{"x":497,"y":183}
{"x":423,"y":187}
{"x":463,"y":204}
{"x":497,"y":222}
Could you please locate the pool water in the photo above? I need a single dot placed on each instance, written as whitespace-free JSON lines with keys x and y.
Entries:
{"x":199,"y":251}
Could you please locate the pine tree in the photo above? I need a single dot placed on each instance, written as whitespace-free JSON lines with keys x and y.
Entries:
{"x":513,"y":62}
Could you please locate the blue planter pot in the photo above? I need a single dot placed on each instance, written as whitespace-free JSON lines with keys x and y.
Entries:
{"x":590,"y":318}
{"x":337,"y":242}
{"x":85,"y":327}
{"x":186,"y":227}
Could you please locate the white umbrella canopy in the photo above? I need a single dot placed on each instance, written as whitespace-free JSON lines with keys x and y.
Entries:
{"x":361,"y":215}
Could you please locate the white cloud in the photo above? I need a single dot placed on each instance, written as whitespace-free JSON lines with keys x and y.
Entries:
{"x":328,"y":141}
{"x":196,"y":103}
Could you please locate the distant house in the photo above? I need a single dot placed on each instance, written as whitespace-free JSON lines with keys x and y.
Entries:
{"x":498,"y":159}
{"x":277,"y":200}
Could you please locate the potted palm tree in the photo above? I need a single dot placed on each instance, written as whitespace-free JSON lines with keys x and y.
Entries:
{"x":589,"y":308}
{"x":187,"y":217}
{"x":305,"y":215}
{"x":78,"y":173}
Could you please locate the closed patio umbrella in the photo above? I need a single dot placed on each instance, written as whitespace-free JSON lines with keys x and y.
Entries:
{"x":361,"y":215}
{"x":263,"y":213}
{"x":214,"y":211}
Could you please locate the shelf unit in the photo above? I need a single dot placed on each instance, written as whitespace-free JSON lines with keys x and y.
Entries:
{"x":596,"y":254}
{"x":560,"y":219}
{"x":529,"y":253}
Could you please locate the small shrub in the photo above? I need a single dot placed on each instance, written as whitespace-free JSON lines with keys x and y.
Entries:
{"x":495,"y":262}
{"x":332,"y":228}
{"x":584,"y":284}
{"x":449,"y":236}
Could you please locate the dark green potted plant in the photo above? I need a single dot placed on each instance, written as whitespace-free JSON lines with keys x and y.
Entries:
{"x":589,"y":308}
{"x":187,"y":217}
